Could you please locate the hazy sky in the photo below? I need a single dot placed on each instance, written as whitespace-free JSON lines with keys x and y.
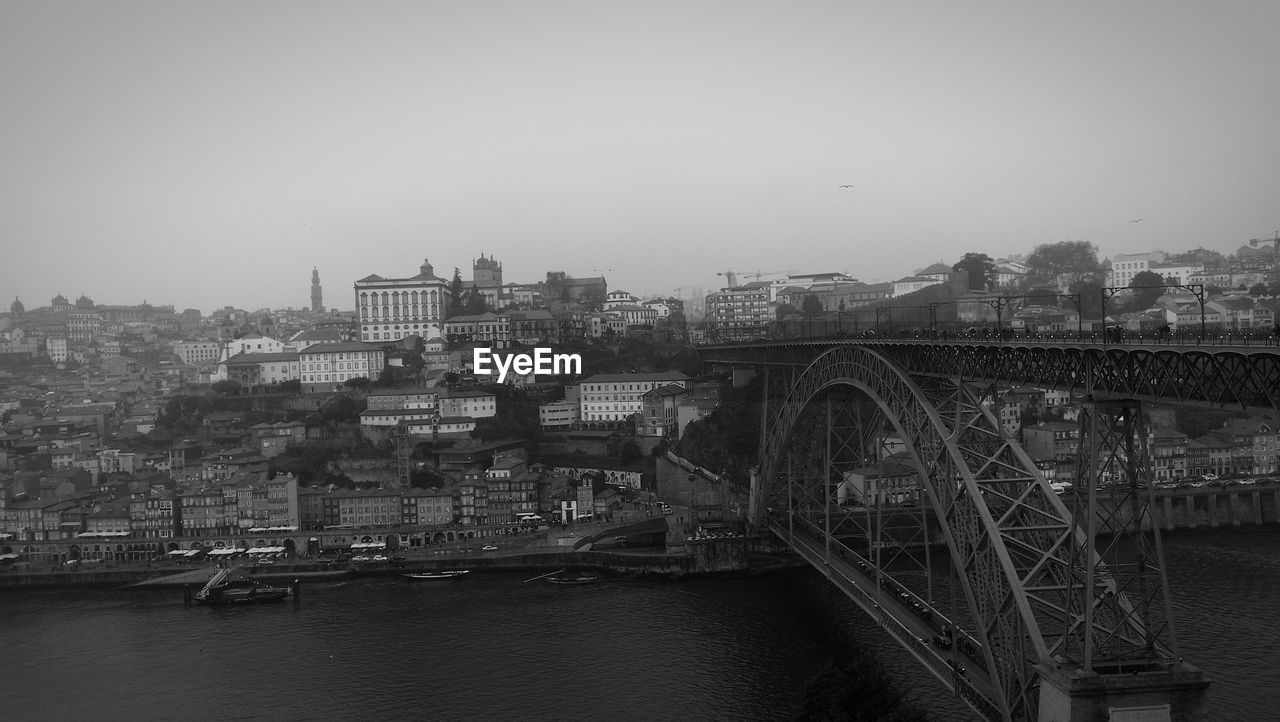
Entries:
{"x":210,"y":153}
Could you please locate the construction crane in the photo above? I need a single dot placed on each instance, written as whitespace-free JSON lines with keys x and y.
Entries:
{"x":680,"y":291}
{"x":759,"y":274}
{"x":731,"y":277}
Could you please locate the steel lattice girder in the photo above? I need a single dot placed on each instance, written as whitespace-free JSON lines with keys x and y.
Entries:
{"x":1010,"y":537}
{"x":1244,"y":378}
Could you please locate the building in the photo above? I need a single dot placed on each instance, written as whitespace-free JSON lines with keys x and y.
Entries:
{"x":389,"y":309}
{"x":475,"y":404}
{"x":1124,"y":266}
{"x":486,"y":329}
{"x":195,"y":353}
{"x":486,"y":280}
{"x":743,"y":312}
{"x":326,"y":367}
{"x":1168,"y":454}
{"x":615,"y":397}
{"x":659,"y":411}
{"x":426,"y":508}
{"x":891,"y":481}
{"x":317,"y":296}
{"x":252,"y":370}
{"x":1055,"y":440}
{"x":558,"y":415}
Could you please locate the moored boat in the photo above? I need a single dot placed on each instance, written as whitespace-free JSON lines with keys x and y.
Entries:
{"x":226,"y":588}
{"x":451,"y":574}
{"x":573,"y":578}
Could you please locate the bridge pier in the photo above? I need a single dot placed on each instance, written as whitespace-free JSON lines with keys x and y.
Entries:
{"x":1074,"y":695}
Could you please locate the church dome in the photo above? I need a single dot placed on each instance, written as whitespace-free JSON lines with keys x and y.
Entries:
{"x":60,"y":300}
{"x":16,"y":307}
{"x":84,"y":302}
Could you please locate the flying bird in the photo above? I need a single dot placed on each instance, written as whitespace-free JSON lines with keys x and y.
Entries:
{"x":846,"y":186}
{"x":1137,"y":220}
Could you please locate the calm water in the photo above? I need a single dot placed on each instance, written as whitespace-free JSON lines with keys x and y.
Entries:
{"x":491,"y":647}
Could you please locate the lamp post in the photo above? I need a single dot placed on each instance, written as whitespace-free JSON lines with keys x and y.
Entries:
{"x":1196,"y":289}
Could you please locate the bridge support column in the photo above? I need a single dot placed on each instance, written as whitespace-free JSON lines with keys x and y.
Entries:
{"x":1168,"y":513}
{"x":1073,"y":695}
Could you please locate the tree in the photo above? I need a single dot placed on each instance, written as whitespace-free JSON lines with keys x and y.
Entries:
{"x":980,"y":270}
{"x":359,"y":383}
{"x":1259,"y":289}
{"x":474,"y":302}
{"x":784,"y":310}
{"x":592,"y":298}
{"x":1070,"y":261}
{"x":455,"y":293}
{"x":811,"y":306}
{"x":1090,"y":297}
{"x":227,"y":387}
{"x":1148,"y":286}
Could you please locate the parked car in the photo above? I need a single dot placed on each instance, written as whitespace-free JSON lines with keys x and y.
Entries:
{"x":489,"y":548}
{"x":360,"y":558}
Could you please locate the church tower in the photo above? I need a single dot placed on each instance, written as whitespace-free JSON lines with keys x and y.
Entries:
{"x":317,"y":299}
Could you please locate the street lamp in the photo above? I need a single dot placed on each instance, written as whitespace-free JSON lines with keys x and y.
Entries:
{"x":1195,"y":289}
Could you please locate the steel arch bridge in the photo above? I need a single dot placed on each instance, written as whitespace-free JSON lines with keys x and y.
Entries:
{"x":1039,"y":594}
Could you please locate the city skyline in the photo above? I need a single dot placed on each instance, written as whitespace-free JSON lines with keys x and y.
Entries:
{"x":200,"y":156}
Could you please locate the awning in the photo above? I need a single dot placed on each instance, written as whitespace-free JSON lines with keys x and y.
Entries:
{"x":178,"y":553}
{"x":8,"y":556}
{"x":369,"y":545}
{"x":224,"y":552}
{"x":266,"y":550}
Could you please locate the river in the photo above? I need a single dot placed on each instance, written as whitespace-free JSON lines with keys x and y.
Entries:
{"x":492,"y":647}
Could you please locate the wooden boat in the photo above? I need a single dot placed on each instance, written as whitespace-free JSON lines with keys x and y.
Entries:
{"x":452,"y":574}
{"x":573,"y":578}
{"x":226,"y":588}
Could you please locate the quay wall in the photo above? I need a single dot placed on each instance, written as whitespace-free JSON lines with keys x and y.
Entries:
{"x":1210,"y":508}
{"x":700,"y":558}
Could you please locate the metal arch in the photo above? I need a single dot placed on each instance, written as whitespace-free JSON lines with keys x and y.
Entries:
{"x":1009,"y":536}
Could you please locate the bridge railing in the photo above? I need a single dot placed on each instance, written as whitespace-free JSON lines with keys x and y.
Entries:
{"x":1238,"y":338}
{"x":918,"y":647}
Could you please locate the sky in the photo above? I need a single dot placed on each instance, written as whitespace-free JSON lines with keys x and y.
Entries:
{"x":206,"y":154}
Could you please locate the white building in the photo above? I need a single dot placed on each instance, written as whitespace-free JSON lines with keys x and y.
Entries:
{"x":194,"y":353}
{"x":475,"y":404}
{"x":327,"y":366}
{"x":561,"y":414}
{"x":389,"y":309}
{"x":56,"y":348}
{"x":1124,"y":266}
{"x":614,"y":397}
{"x":619,"y":298}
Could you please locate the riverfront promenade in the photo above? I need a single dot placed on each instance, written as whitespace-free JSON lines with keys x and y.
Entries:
{"x":656,"y":545}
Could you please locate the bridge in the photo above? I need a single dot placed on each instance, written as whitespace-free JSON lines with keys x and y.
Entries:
{"x":882,"y":465}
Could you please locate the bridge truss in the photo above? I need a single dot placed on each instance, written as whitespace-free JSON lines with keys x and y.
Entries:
{"x":1031,"y":587}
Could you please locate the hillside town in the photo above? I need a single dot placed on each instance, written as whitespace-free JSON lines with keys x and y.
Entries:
{"x":169,"y":431}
